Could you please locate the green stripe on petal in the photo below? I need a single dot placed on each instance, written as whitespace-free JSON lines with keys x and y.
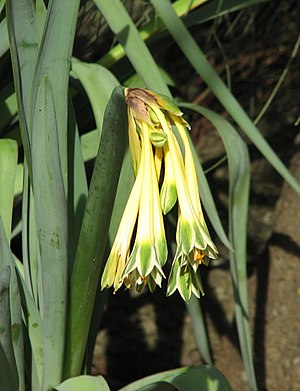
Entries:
{"x":145,"y":258}
{"x":168,"y":196}
{"x":184,"y":283}
{"x":208,"y":241}
{"x":197,"y":288}
{"x":168,"y":192}
{"x":186,"y":235}
{"x":161,"y":249}
{"x":108,"y":275}
{"x":131,"y":265}
{"x":172,"y":281}
{"x":157,"y":277}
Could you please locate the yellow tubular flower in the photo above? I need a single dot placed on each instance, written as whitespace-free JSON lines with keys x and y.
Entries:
{"x":150,"y":250}
{"x":194,"y":245}
{"x":137,"y":261}
{"x":119,"y":254}
{"x":192,"y":184}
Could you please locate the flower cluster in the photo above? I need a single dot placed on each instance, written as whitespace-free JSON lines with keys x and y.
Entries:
{"x":165,"y":173}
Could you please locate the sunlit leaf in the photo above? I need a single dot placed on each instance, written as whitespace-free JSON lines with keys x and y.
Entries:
{"x":8,"y":164}
{"x":86,"y":383}
{"x":204,"y":378}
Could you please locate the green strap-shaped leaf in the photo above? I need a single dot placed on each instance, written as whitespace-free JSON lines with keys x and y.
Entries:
{"x":8,"y":164}
{"x":77,"y":185}
{"x":199,"y":327}
{"x":86,"y":383}
{"x":98,"y":83}
{"x":33,"y":322}
{"x":54,"y":61}
{"x":51,"y":224}
{"x":239,"y":178}
{"x":202,"y":378}
{"x":94,"y":230}
{"x":199,"y":61}
{"x":8,"y":373}
{"x":181,"y":7}
{"x":6,"y":259}
{"x":24,"y":49}
{"x":123,"y":27}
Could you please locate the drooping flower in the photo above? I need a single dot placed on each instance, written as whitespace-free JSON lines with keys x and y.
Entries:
{"x":163,"y":163}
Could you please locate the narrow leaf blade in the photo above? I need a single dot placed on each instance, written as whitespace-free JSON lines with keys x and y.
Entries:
{"x":239,"y":178}
{"x":94,"y":230}
{"x":8,"y":374}
{"x":51,"y":223}
{"x":8,"y":164}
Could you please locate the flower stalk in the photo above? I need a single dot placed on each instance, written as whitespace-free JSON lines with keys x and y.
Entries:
{"x":164,"y":174}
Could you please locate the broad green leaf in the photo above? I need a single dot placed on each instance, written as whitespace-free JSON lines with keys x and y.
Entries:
{"x":239,"y":178}
{"x":123,"y":27}
{"x":51,"y":224}
{"x":199,"y":61}
{"x":89,"y":144}
{"x":202,"y":378}
{"x":86,"y":383}
{"x":41,"y":14}
{"x":98,"y":83}
{"x":8,"y":373}
{"x":6,"y":260}
{"x":8,"y":164}
{"x":54,"y":61}
{"x":94,"y":230}
{"x":24,"y":49}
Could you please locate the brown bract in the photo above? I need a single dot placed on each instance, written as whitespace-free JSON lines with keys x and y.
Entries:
{"x":136,"y":99}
